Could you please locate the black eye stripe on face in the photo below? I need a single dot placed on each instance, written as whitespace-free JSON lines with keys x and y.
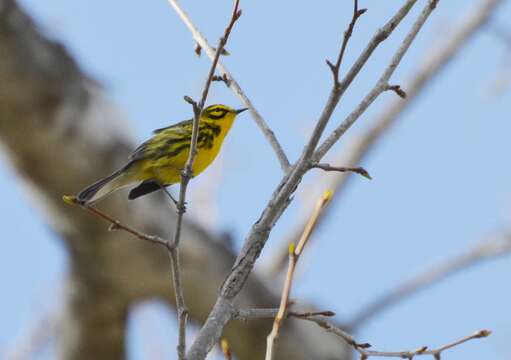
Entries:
{"x":217,"y":113}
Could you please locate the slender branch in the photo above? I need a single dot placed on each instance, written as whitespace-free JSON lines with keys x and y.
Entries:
{"x":347,"y":35}
{"x":117,"y":225}
{"x":223,"y":309}
{"x":246,"y":314}
{"x":294,"y":254}
{"x":233,"y":85}
{"x":186,"y":176}
{"x":362,"y":348}
{"x":358,"y":170}
{"x":359,"y":149}
{"x":397,"y":89}
{"x":381,"y":85}
{"x":484,"y":251}
{"x":319,"y":318}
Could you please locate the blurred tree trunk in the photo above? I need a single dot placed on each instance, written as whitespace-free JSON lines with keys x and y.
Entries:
{"x":60,"y":134}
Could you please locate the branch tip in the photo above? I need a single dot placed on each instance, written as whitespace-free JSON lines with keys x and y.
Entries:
{"x":482,"y":334}
{"x":226,"y":349}
{"x":113,"y":227}
{"x":397,"y":89}
{"x":198,"y":49}
{"x":189,"y":100}
{"x":421,"y":350}
{"x":70,"y":199}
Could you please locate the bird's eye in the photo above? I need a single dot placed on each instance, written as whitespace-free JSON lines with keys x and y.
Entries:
{"x":217,"y":113}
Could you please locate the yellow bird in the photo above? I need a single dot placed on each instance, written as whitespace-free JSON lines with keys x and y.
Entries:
{"x":159,"y":161}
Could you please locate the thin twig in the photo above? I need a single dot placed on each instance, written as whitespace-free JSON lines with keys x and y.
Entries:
{"x":361,"y":348}
{"x":117,"y":225}
{"x":294,"y":254}
{"x":381,"y":85}
{"x":233,"y":85}
{"x":262,"y":313}
{"x":347,"y":35}
{"x":256,"y":239}
{"x":186,"y":176}
{"x":489,"y":249}
{"x":319,"y":319}
{"x":358,"y":170}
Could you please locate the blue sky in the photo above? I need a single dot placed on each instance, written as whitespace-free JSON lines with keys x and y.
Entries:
{"x":441,"y":176}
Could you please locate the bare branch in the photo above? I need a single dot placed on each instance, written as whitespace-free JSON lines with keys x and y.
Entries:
{"x":361,"y":348}
{"x":294,"y":254}
{"x":362,"y":146}
{"x":484,"y":251}
{"x":223,"y":309}
{"x":347,"y":35}
{"x":358,"y":170}
{"x":397,"y":89}
{"x":246,"y":314}
{"x":381,"y":84}
{"x":117,"y":225}
{"x":234,"y":86}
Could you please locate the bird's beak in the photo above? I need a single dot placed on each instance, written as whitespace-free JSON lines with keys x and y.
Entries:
{"x":239,"y":111}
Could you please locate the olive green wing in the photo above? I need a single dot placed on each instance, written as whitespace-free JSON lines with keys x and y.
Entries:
{"x":163,"y":140}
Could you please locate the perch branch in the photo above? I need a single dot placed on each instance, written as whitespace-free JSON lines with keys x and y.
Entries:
{"x":186,"y":176}
{"x":117,"y":225}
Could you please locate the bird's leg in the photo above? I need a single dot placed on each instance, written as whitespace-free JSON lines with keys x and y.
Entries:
{"x":167,"y":192}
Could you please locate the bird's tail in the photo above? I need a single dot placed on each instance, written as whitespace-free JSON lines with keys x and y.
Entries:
{"x":103,"y":187}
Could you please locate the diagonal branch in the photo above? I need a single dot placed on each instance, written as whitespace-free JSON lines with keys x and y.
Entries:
{"x":117,"y":225}
{"x":362,"y":348}
{"x":233,"y":85}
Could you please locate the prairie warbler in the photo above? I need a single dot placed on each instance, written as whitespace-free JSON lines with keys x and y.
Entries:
{"x":158,"y":162}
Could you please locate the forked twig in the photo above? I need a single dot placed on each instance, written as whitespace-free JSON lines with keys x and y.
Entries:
{"x":347,"y":35}
{"x":362,"y":348}
{"x":320,"y":319}
{"x":294,"y":254}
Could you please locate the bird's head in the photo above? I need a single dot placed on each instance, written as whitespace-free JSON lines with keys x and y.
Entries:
{"x":220,"y":112}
